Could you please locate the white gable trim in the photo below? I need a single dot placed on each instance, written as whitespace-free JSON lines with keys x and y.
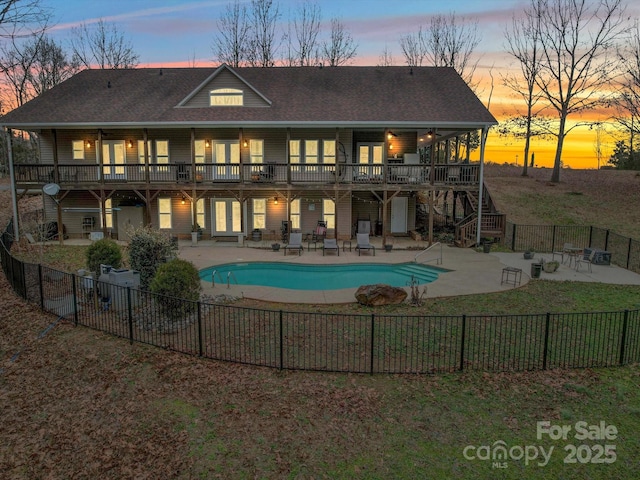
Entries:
{"x":221,"y":68}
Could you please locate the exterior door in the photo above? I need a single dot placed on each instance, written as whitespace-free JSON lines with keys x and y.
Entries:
{"x":227,"y":159}
{"x":113,"y":159}
{"x":370,"y":154}
{"x":225,"y":216}
{"x":399,"y":209}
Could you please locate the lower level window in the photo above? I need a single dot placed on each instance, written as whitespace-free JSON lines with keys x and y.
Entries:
{"x":259,"y":213}
{"x":164,"y":212}
{"x":329,"y":212}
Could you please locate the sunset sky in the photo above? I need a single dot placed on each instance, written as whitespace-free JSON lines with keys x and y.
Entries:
{"x":179,"y":33}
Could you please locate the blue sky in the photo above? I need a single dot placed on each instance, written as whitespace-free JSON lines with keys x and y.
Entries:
{"x":171,"y":32}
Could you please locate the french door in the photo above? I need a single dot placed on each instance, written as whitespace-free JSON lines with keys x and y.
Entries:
{"x":225,"y":216}
{"x":113,"y":160}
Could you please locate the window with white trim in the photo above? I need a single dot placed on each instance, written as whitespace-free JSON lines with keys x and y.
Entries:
{"x":164,"y":212}
{"x":77,"y":146}
{"x":312,"y":151}
{"x":108,"y":213}
{"x":295,"y":214}
{"x":329,"y":212}
{"x":259,"y":213}
{"x":256,"y":151}
{"x":200,"y":217}
{"x":162,"y":152}
{"x":141,"y":151}
{"x":226,"y":97}
{"x":199,"y":150}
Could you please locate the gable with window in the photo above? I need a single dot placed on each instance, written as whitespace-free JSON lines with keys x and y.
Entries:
{"x":226,"y":97}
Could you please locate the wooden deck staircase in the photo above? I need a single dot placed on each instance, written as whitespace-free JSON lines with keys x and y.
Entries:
{"x":493,"y":224}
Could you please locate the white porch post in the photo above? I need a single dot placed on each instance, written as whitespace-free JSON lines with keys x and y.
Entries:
{"x":483,"y":141}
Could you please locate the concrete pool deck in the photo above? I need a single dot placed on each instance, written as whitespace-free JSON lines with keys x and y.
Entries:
{"x":469,"y":272}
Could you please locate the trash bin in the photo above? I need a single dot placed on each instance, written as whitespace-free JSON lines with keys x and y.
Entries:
{"x":536,"y":268}
{"x":486,"y":247}
{"x":256,"y":235}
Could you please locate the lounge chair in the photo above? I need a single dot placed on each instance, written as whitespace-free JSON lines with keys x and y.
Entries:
{"x":363,"y":243}
{"x":565,"y":251}
{"x":295,"y":243}
{"x":330,"y":244}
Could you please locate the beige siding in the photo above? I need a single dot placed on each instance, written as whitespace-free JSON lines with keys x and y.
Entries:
{"x":226,"y":79}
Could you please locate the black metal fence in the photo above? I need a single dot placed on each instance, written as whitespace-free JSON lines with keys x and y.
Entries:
{"x":332,"y":342}
{"x":625,"y":251}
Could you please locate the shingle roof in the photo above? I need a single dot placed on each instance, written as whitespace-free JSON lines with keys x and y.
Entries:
{"x":299,"y":96}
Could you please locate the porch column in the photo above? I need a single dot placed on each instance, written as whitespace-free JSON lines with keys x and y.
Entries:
{"x":483,"y":141}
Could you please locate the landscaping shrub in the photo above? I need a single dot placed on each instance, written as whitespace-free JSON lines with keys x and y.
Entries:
{"x":177,"y":285}
{"x":104,"y":251}
{"x":148,"y":249}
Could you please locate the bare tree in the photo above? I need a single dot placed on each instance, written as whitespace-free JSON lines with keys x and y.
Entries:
{"x":306,"y":27}
{"x":412,"y":45}
{"x":102,"y":46}
{"x":450,"y":41}
{"x":577,"y":61}
{"x":627,"y":102}
{"x":231,"y":43}
{"x":22,"y":18}
{"x":340,"y":47}
{"x":386,"y":58}
{"x":523,"y":44}
{"x":51,"y":65}
{"x":262,"y":45}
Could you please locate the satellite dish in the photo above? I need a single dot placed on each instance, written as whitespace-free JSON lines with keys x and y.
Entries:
{"x":51,"y":189}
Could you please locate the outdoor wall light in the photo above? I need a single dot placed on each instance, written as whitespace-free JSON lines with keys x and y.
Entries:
{"x":391,"y":146}
{"x":130,"y":144}
{"x":88,"y":144}
{"x":245,"y":144}
{"x":207,"y":143}
{"x":430,"y":134}
{"x":275,"y":200}
{"x":183,"y":200}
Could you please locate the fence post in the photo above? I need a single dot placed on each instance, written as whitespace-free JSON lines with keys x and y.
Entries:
{"x":281,"y":343}
{"x":629,"y":253}
{"x":464,"y":328}
{"x":623,"y":340}
{"x":74,"y":289}
{"x":513,"y":237}
{"x":591,"y":236}
{"x":199,"y":328}
{"x":546,"y":342}
{"x":41,"y":286}
{"x":553,"y":239}
{"x":606,"y":240}
{"x":373,"y":322}
{"x":130,"y":312}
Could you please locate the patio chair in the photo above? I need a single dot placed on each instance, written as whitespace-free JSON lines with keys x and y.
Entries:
{"x":295,"y":243}
{"x":363,"y":243}
{"x":565,"y":251}
{"x":330,"y":244}
{"x":580,"y":259}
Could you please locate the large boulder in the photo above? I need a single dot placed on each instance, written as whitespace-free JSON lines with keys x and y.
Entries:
{"x":380,"y":294}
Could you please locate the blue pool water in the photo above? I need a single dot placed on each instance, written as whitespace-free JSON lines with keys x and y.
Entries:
{"x":320,"y":277}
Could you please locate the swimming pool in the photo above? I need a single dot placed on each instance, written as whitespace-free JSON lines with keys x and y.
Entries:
{"x":298,"y":276}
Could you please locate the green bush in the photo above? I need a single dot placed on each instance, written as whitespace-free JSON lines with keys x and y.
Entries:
{"x":177,"y":285}
{"x":104,"y":251}
{"x":148,"y":249}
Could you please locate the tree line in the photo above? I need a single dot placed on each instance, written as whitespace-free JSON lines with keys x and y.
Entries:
{"x":571,"y":57}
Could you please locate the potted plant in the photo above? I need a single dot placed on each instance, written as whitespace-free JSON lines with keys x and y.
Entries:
{"x":550,"y":267}
{"x":387,"y":243}
{"x":528,"y":253}
{"x":196,"y":233}
{"x":275,"y":246}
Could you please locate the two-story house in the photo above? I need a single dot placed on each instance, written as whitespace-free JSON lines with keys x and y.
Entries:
{"x":233,"y":151}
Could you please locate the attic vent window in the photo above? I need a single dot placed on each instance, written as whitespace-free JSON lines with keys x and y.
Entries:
{"x":226,"y":97}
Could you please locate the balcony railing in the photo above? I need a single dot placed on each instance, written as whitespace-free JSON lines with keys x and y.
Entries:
{"x":211,"y":173}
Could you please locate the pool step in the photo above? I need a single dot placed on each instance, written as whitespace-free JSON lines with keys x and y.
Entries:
{"x":419,"y":272}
